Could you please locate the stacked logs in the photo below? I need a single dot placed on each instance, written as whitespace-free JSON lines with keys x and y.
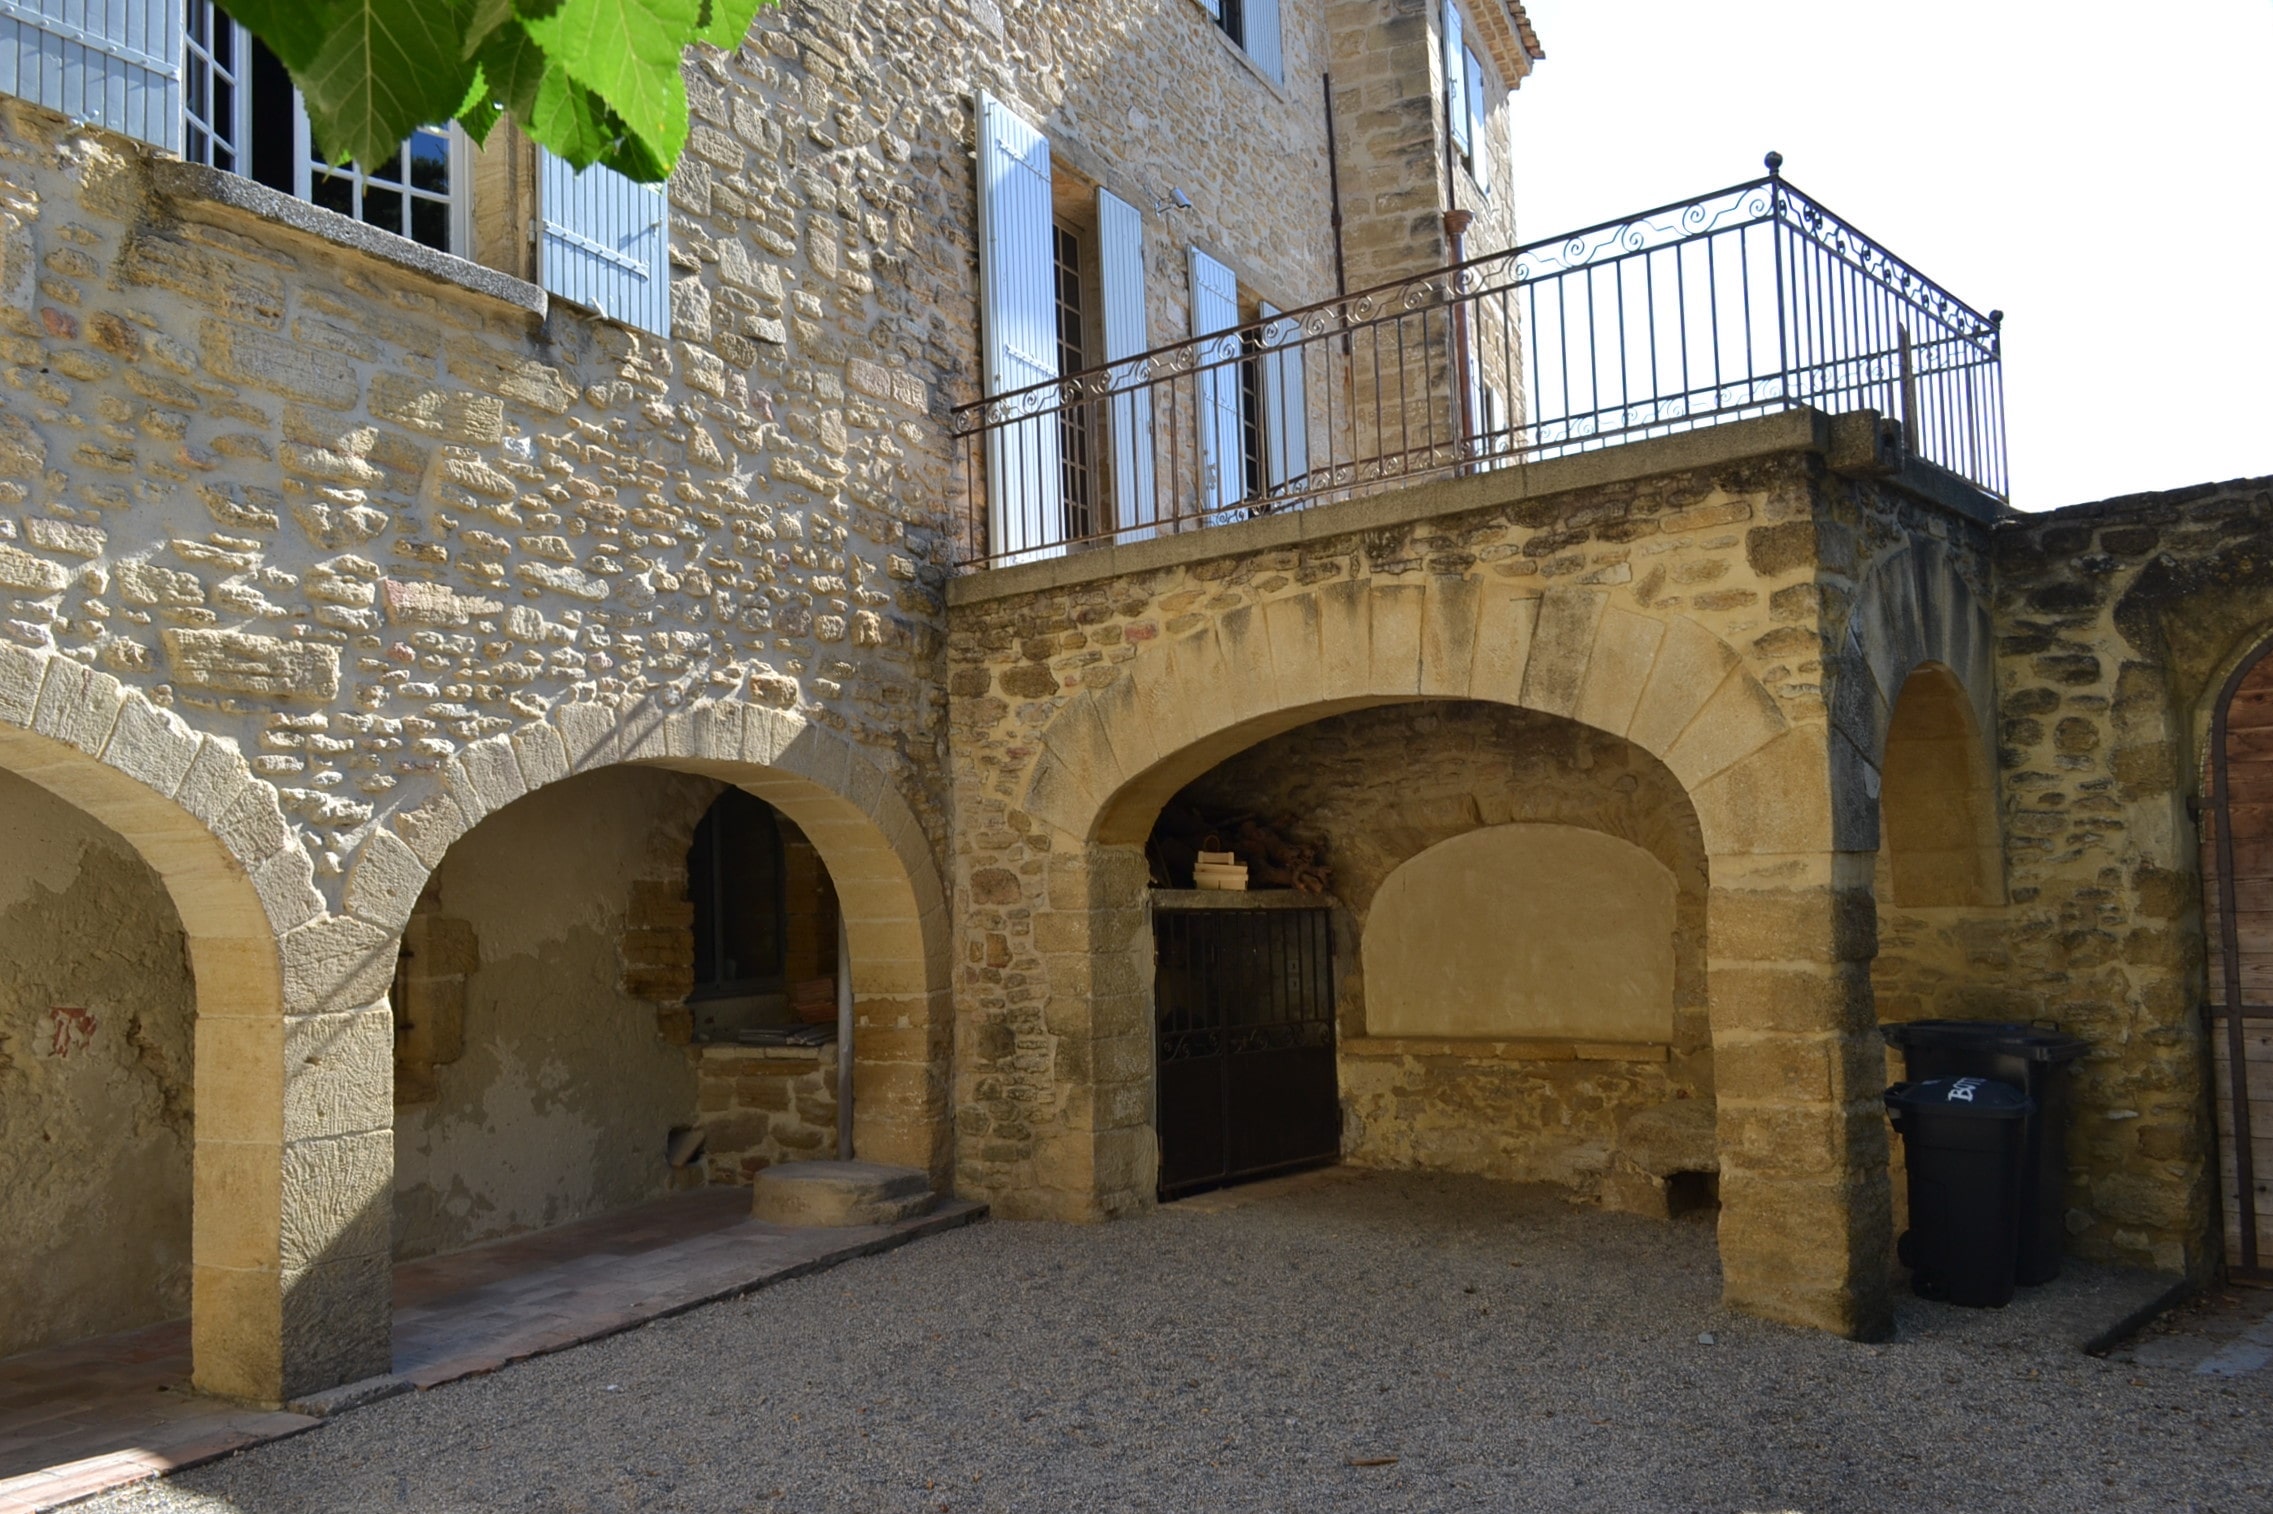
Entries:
{"x":1274,"y":858}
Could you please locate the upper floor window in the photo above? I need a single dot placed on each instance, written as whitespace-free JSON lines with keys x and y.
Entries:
{"x":1254,"y":25}
{"x":1467,"y":91}
{"x":241,"y":113}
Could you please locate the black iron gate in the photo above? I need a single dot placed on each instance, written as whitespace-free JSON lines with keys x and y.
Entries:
{"x":2240,"y":857}
{"x":1243,"y":1004}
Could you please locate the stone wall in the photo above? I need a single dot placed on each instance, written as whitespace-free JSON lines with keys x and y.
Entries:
{"x":1378,"y":788}
{"x":765,"y":1104}
{"x":2117,"y":622}
{"x":95,"y":1097}
{"x":573,"y":1064}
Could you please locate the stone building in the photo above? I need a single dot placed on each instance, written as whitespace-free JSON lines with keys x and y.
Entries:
{"x":479,"y":643}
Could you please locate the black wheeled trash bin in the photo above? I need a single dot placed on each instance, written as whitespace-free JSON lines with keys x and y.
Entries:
{"x":1962,"y":1138}
{"x":2035,"y":1061}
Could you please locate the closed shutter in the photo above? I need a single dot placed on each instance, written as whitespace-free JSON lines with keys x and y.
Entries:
{"x":1479,"y":141}
{"x":1120,"y":261}
{"x":1262,"y":39}
{"x":606,"y":243}
{"x":1286,"y":418}
{"x":1455,"y":70}
{"x":1019,"y":315}
{"x":115,"y":63}
{"x":1223,"y":454}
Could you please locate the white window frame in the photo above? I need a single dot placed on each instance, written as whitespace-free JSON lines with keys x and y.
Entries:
{"x":305,"y":167}
{"x":198,"y":63}
{"x":1469,"y":84}
{"x":304,"y":164}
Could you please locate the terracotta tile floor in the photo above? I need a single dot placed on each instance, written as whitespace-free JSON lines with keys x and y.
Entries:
{"x":78,"y":1418}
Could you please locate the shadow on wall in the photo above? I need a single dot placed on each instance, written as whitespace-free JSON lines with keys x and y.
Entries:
{"x":543,"y":1049}
{"x":97,"y":1012}
{"x":1520,"y":972}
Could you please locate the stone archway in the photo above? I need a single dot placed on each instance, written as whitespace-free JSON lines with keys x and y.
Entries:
{"x":286,"y":1093}
{"x":1804,"y":1226}
{"x":876,"y":852}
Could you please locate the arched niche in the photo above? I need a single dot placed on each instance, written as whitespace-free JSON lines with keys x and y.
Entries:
{"x":1522,"y":932}
{"x":1938,"y":840}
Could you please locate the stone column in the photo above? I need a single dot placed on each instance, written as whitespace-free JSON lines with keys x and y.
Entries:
{"x":1805,"y":1230}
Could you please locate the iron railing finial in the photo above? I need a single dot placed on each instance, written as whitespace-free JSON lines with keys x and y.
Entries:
{"x":1775,"y":162}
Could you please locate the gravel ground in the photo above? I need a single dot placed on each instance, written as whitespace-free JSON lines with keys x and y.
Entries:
{"x":1367,"y":1342}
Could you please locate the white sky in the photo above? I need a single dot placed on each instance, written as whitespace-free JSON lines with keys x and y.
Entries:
{"x":2102,"y":173}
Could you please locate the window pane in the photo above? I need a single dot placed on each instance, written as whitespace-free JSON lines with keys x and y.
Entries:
{"x":430,"y":223}
{"x":430,"y":162}
{"x":333,"y":191}
{"x":383,"y":207}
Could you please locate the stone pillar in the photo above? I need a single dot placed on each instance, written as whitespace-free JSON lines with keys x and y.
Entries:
{"x":1805,"y":1230}
{"x":294,"y":1200}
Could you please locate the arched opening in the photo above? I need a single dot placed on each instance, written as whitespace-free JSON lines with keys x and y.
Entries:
{"x":1515,"y":903}
{"x":97,"y":1021}
{"x":1938,"y":845}
{"x":2238,"y":898}
{"x":618,"y":987}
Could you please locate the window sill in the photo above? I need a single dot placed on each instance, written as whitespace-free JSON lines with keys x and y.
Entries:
{"x":194,"y":184}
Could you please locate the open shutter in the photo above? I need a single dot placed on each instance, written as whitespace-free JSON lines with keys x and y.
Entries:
{"x":1120,"y":260}
{"x":1286,"y":419}
{"x":1019,"y":314}
{"x":115,"y":63}
{"x":1455,"y":75}
{"x":1479,"y":141}
{"x":1262,"y":39}
{"x":1213,"y":8}
{"x":1223,"y":453}
{"x":606,"y":243}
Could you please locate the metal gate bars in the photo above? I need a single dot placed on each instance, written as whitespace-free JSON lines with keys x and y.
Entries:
{"x":1244,"y":1029}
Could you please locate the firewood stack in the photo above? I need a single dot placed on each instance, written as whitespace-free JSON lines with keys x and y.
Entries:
{"x":1266,"y":848}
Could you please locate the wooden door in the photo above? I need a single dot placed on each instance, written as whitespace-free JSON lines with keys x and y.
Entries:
{"x":2238,"y":874}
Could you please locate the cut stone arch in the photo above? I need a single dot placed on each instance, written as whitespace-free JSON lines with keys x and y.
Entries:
{"x":240,"y":883}
{"x":879,"y":860}
{"x":1110,"y":758}
{"x":1913,"y":607}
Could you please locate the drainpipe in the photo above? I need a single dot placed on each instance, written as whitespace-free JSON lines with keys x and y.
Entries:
{"x":844,"y":1040}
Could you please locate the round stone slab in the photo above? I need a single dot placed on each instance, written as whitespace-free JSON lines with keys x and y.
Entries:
{"x":839,"y":1193}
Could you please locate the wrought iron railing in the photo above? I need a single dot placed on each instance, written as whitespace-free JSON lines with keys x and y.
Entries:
{"x":1743,"y":302}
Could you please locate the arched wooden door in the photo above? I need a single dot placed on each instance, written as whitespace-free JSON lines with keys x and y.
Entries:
{"x":2239,"y":869}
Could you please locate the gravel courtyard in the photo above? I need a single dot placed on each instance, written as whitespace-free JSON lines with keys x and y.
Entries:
{"x":1349,"y":1341}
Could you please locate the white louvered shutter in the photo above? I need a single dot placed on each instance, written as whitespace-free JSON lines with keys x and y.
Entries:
{"x":1223,"y":451}
{"x":606,"y":243}
{"x":115,"y":63}
{"x":1019,"y":315}
{"x":1455,"y":75}
{"x":1120,"y":262}
{"x":1286,"y":417}
{"x":1214,"y":8}
{"x":1262,"y":39}
{"x":1479,"y":141}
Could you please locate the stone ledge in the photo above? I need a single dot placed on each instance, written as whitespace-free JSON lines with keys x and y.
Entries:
{"x":1786,"y":431}
{"x":1260,"y":898}
{"x":735,"y":1051}
{"x":194,"y":188}
{"x":1506,"y":1051}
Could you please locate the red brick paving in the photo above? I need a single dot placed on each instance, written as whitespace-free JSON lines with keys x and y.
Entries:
{"x":78,"y":1418}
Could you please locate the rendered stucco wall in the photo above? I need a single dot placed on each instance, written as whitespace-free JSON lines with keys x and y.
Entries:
{"x":95,"y":1101}
{"x":569,"y":1082}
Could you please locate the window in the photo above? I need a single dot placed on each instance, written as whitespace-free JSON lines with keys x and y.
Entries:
{"x":241,"y":114}
{"x":1466,"y":89}
{"x":1075,"y":454}
{"x":1254,"y":25}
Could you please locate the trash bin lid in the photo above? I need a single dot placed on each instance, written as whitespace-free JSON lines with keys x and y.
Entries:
{"x":1985,"y":1098}
{"x":2006,"y":1037}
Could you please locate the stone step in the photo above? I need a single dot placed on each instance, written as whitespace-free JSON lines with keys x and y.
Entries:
{"x":839,"y":1193}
